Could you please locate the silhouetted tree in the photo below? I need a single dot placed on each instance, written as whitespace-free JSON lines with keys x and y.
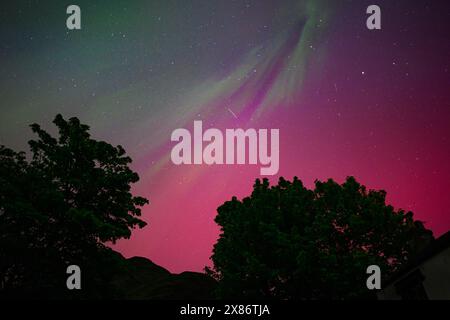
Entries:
{"x":59,"y":208}
{"x":288,"y":242}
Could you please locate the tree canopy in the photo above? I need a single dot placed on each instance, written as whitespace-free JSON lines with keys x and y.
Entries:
{"x":289,"y":242}
{"x":61,"y":206}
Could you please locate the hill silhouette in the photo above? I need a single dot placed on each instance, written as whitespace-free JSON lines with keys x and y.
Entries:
{"x":141,"y":279}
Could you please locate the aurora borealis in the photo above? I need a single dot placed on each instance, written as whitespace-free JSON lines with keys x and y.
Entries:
{"x":347,"y":100}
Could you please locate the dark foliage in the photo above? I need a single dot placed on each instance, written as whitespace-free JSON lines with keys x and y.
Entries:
{"x":288,"y":242}
{"x":59,"y":208}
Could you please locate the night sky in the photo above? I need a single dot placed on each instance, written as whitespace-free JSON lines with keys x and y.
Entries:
{"x":347,"y":100}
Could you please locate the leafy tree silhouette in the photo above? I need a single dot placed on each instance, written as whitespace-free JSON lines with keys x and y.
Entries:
{"x":59,"y":208}
{"x":289,"y":242}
